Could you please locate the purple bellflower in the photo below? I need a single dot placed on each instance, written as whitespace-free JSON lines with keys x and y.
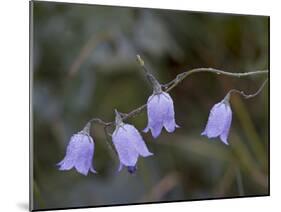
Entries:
{"x":219,"y":121}
{"x":160,"y":112}
{"x":129,"y":144}
{"x":79,"y":152}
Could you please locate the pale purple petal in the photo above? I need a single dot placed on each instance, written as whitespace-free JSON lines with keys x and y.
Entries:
{"x":225,"y":132}
{"x":79,"y":154}
{"x":84,"y":158}
{"x":138,"y":141}
{"x":219,"y":121}
{"x":169,"y":120}
{"x":129,"y":146}
{"x":156,"y":129}
{"x":71,"y":154}
{"x":65,"y":164}
{"x":125,"y":147}
{"x":92,"y":169}
{"x":146,"y":129}
{"x":160,"y":112}
{"x":216,"y":121}
{"x":155,"y":111}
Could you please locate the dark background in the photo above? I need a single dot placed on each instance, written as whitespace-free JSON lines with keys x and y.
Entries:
{"x":85,"y":65}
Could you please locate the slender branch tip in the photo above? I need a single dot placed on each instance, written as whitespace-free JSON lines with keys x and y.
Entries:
{"x":140,"y":61}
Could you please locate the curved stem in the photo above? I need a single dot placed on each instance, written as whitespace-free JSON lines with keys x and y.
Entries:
{"x":179,"y":78}
{"x":99,"y":121}
{"x":248,"y":96}
{"x":182,"y":76}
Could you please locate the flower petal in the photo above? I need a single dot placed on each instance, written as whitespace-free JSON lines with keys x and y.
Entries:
{"x":169,"y":120}
{"x":84,"y":158}
{"x":156,"y":129}
{"x":155,"y":115}
{"x":137,"y":140}
{"x":65,"y":165}
{"x":79,"y":154}
{"x":216,"y":121}
{"x":92,"y":169}
{"x":71,"y":154}
{"x":146,"y":129}
{"x":160,"y":112}
{"x":125,"y":147}
{"x":225,"y":132}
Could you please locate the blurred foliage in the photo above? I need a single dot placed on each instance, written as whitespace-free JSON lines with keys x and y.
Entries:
{"x":84,"y":66}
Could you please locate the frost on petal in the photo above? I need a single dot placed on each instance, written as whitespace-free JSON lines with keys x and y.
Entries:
{"x":137,"y":140}
{"x":225,"y":132}
{"x":125,"y":148}
{"x":216,"y":121}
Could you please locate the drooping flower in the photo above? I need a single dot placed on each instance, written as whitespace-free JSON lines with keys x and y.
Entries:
{"x":129,"y":144}
{"x":219,"y":121}
{"x":79,"y":153}
{"x":160,"y":112}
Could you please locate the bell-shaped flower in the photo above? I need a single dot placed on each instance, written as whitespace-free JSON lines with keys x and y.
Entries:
{"x":129,"y":144}
{"x":160,"y":112}
{"x":219,"y":121}
{"x":79,"y":153}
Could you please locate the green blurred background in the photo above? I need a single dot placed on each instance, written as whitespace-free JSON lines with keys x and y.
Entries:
{"x":85,"y":65}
